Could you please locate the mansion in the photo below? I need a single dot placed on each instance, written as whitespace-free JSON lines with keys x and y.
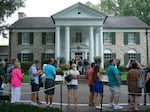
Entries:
{"x":79,"y":31}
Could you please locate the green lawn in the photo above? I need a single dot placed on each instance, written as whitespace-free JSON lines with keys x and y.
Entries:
{"x":25,"y":108}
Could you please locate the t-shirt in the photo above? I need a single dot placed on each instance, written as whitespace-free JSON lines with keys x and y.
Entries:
{"x":74,"y":73}
{"x":32,"y":71}
{"x":112,"y":71}
{"x":49,"y":71}
{"x":89,"y":76}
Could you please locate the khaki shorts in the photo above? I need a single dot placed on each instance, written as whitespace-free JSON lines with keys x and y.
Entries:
{"x":115,"y":91}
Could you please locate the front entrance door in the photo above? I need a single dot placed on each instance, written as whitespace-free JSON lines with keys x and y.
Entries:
{"x":79,"y":55}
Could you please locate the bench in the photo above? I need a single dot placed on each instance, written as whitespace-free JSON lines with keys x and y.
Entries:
{"x":4,"y":98}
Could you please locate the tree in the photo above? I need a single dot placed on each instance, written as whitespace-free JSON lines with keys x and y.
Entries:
{"x":7,"y":8}
{"x":138,"y":8}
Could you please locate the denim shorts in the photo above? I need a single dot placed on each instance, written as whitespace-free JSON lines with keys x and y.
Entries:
{"x":72,"y":86}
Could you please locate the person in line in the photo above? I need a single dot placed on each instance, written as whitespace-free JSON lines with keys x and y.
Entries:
{"x":16,"y":81}
{"x":50,"y":72}
{"x":90,"y":82}
{"x":85,"y":66}
{"x":147,"y":83}
{"x":34,"y":81}
{"x":10,"y":67}
{"x":3,"y":79}
{"x":72,"y":86}
{"x":134,"y":91}
{"x":114,"y":83}
{"x":97,"y":87}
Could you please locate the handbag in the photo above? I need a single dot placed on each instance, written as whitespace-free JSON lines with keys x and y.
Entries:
{"x":140,"y":80}
{"x":69,"y":77}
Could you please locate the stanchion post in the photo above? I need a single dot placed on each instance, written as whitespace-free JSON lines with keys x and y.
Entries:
{"x":61,"y":95}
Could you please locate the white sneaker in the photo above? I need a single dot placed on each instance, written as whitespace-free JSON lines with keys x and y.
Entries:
{"x":118,"y":107}
{"x":111,"y":105}
{"x":33,"y":103}
{"x":98,"y":107}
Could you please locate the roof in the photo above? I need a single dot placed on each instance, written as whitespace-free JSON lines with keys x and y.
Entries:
{"x":124,"y":22}
{"x":34,"y":22}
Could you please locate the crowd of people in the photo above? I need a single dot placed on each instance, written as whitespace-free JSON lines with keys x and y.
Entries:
{"x":14,"y":77}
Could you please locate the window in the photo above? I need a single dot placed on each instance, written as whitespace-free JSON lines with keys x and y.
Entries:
{"x":78,"y":37}
{"x":132,"y":55}
{"x":131,"y":38}
{"x":25,"y":56}
{"x":25,"y":38}
{"x":48,"y":38}
{"x":109,"y":37}
{"x":107,"y":54}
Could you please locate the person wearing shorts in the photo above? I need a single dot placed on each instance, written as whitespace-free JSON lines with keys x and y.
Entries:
{"x":72,"y":86}
{"x":34,"y":81}
{"x":114,"y":83}
{"x":50,"y":72}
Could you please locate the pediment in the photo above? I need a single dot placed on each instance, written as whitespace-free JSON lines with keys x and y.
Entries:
{"x":78,"y":11}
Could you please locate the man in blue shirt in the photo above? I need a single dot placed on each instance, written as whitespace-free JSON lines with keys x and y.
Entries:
{"x":114,"y":83}
{"x":34,"y":81}
{"x":50,"y":72}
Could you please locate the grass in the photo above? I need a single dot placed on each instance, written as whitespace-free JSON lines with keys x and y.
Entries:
{"x":25,"y":108}
{"x":26,"y":77}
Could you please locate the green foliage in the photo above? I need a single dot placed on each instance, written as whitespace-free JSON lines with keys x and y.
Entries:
{"x":25,"y":66}
{"x":138,"y":8}
{"x":97,"y":59}
{"x":25,"y":108}
{"x":8,"y":7}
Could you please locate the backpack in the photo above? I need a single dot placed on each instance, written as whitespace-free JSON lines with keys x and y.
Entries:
{"x":140,"y":79}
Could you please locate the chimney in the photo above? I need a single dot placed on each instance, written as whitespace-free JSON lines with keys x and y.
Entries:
{"x":21,"y":15}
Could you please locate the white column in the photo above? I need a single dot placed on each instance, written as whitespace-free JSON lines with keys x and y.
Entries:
{"x":91,"y":43}
{"x":67,"y":44}
{"x":101,"y":47}
{"x":97,"y":52}
{"x":57,"y":43}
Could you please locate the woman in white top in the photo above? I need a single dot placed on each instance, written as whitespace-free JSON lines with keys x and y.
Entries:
{"x":72,"y":86}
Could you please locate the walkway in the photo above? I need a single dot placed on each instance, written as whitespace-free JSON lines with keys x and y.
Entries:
{"x":83,"y":93}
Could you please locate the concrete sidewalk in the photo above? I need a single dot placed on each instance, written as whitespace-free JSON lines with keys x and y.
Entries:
{"x":83,"y":93}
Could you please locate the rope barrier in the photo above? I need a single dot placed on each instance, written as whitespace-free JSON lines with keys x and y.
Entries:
{"x":7,"y":92}
{"x":121,"y":91}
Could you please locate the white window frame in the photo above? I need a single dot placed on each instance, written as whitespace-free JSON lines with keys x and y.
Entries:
{"x":131,"y":38}
{"x":50,"y":38}
{"x":107,"y":38}
{"x":25,"y":38}
{"x":25,"y":57}
{"x":107,"y":54}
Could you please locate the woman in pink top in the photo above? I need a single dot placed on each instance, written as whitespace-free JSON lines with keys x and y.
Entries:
{"x":16,"y":80}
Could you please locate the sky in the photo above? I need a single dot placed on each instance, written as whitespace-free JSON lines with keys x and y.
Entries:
{"x":42,"y":8}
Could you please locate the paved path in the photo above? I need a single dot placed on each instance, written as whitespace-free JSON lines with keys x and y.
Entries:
{"x":83,"y":92}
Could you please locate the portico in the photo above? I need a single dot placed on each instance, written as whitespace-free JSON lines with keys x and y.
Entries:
{"x":79,"y":31}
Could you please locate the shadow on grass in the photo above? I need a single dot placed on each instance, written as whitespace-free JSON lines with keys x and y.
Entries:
{"x":7,"y":107}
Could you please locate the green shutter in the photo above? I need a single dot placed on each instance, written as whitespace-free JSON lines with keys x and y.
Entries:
{"x":113,"y":38}
{"x":43,"y":38}
{"x":19,"y":38}
{"x":137,"y":36}
{"x":114,"y":55}
{"x":31,"y":38}
{"x":125,"y":38}
{"x":31,"y":57}
{"x":19,"y":56}
{"x":126,"y":58}
{"x":138,"y":57}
